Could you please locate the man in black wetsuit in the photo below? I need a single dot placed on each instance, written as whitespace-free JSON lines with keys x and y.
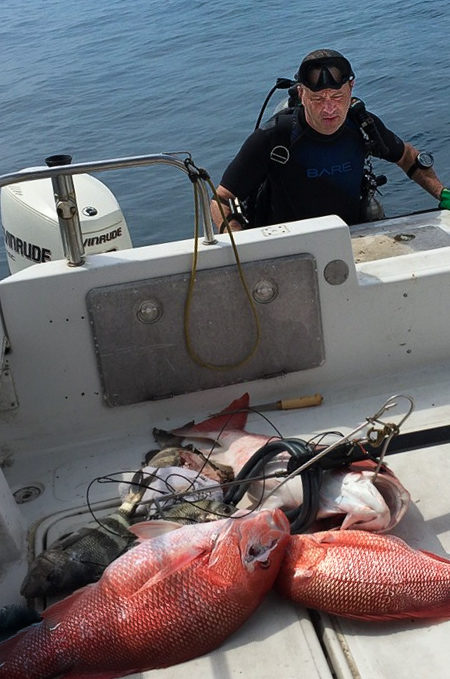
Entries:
{"x":312,"y":158}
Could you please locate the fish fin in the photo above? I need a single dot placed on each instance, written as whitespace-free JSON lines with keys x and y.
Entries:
{"x":225,"y":420}
{"x":327,"y":537}
{"x":303,"y":572}
{"x":312,"y":547}
{"x":436,"y":557}
{"x":166,"y":439}
{"x":75,"y":674}
{"x":69,"y":539}
{"x":432,"y":612}
{"x":367,"y":519}
{"x":54,"y":613}
{"x":146,"y":530}
{"x":347,"y":538}
{"x":178,"y":563}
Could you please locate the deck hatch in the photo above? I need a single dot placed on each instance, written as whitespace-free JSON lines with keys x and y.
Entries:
{"x":140,"y":361}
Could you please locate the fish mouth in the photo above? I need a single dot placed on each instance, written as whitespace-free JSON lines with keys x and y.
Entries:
{"x":396,"y":498}
{"x":261,"y":540}
{"x":256,"y":536}
{"x":260,"y":553}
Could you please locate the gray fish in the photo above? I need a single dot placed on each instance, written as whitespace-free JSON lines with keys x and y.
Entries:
{"x":200,"y":511}
{"x":14,"y":618}
{"x":78,"y":558}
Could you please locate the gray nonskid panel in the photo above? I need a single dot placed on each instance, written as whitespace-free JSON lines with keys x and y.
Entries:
{"x":141,"y":360}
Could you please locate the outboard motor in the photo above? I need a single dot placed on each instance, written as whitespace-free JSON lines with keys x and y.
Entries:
{"x":30,"y":223}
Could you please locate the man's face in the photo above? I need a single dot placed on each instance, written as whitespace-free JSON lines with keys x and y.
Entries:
{"x":326,"y":110}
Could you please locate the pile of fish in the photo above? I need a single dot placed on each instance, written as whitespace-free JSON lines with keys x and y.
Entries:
{"x":201,"y":456}
{"x":205,"y":457}
{"x":171,"y":552}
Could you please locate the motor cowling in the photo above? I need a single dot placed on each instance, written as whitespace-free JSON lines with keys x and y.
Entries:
{"x":31,"y":228}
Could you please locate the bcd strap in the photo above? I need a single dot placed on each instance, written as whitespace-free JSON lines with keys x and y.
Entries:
{"x":361,"y":117}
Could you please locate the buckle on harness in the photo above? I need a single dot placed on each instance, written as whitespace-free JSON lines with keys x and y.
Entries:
{"x":280,"y":154}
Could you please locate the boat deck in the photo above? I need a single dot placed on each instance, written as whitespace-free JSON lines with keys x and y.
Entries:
{"x":400,"y":236}
{"x":282,"y":635}
{"x":384,"y":329}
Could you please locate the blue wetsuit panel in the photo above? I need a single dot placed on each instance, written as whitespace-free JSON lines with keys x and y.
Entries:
{"x":323,"y":176}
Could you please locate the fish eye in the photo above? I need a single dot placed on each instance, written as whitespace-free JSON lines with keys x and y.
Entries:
{"x":254,"y":550}
{"x":265,"y":564}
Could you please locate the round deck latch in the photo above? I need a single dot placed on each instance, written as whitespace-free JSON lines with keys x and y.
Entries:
{"x":149,"y":311}
{"x":265,"y":291}
{"x":336,"y":272}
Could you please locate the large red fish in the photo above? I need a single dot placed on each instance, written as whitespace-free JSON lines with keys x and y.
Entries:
{"x":140,"y":615}
{"x":365,"y":576}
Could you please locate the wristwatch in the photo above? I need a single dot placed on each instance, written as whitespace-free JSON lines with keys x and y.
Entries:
{"x":424,"y":160}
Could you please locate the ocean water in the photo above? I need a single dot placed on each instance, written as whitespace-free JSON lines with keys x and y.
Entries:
{"x":110,"y":78}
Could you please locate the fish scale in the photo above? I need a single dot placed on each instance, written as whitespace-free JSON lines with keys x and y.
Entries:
{"x":365,"y":576}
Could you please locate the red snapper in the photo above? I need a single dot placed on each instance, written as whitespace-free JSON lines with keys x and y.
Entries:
{"x":366,"y":576}
{"x":141,"y":613}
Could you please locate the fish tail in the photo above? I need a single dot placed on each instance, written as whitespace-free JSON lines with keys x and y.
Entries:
{"x":233,"y":416}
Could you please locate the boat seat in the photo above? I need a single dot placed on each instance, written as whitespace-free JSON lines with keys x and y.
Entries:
{"x":140,"y":342}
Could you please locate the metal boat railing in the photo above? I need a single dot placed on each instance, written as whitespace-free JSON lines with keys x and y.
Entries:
{"x":66,"y":202}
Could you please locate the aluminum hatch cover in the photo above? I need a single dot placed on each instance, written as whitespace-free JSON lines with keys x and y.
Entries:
{"x":139,"y":337}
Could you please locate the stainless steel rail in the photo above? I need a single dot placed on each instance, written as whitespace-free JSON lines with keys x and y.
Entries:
{"x":65,"y":198}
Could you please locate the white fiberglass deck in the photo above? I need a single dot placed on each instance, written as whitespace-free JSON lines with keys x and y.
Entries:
{"x":280,"y":635}
{"x":385,"y":330}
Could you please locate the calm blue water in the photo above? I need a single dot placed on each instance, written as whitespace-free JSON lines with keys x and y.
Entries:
{"x":110,"y":78}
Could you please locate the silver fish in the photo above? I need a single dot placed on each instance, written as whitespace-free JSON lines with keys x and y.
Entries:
{"x":356,"y":499}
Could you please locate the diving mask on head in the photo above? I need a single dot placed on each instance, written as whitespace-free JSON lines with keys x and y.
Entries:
{"x":323,"y":74}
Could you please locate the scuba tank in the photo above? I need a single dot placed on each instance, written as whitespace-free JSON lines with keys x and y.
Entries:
{"x":371,"y":208}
